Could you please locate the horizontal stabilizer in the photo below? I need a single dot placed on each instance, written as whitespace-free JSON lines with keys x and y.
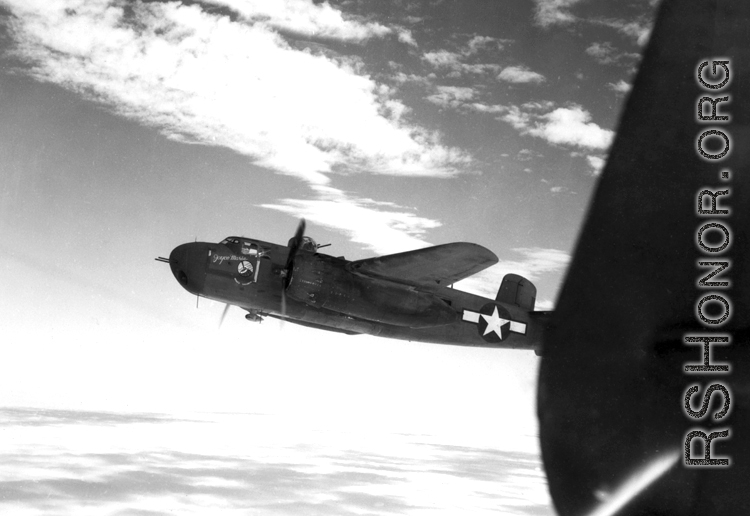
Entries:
{"x":517,"y":290}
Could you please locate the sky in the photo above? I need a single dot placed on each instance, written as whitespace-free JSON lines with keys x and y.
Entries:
{"x":128,"y":128}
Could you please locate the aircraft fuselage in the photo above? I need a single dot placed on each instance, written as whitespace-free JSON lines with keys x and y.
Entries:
{"x":328,"y":293}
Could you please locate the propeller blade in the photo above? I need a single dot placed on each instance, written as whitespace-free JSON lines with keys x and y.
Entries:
{"x":224,"y":314}
{"x":286,"y":275}
{"x":294,"y":246}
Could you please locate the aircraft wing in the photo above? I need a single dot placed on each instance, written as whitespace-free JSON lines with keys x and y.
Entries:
{"x":612,"y":384}
{"x":442,"y":264}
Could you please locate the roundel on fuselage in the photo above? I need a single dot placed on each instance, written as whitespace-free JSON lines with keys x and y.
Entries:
{"x":494,"y":323}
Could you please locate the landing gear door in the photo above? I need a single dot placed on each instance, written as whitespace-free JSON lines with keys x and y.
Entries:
{"x":250,"y":265}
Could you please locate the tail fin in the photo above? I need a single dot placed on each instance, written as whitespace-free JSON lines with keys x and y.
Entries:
{"x":517,"y":290}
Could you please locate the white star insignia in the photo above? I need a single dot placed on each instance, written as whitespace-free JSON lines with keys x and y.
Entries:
{"x":494,"y":323}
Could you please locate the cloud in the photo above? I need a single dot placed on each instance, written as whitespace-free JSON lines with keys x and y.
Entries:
{"x":478,"y":43}
{"x":401,"y":77}
{"x":554,"y":12}
{"x":475,"y":45}
{"x":454,"y":61}
{"x":117,"y":466}
{"x":29,"y":417}
{"x":486,"y":108}
{"x":544,"y":304}
{"x":534,"y":263}
{"x":605,"y":53}
{"x":602,"y":52}
{"x":202,"y":78}
{"x":315,"y":20}
{"x":443,"y":59}
{"x":538,"y":261}
{"x":620,"y":86}
{"x":477,"y":69}
{"x":520,"y":74}
{"x":452,"y":96}
{"x":639,"y":30}
{"x":569,"y":126}
{"x":538,"y":105}
{"x":462,"y":98}
{"x":597,"y":164}
{"x":406,"y":36}
{"x":572,"y":126}
{"x":559,"y":12}
{"x":382,"y":227}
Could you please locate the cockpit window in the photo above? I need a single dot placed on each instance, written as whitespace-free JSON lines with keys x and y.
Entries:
{"x":230,"y":240}
{"x":250,"y":248}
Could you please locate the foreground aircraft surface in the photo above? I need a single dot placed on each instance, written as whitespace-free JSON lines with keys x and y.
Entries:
{"x":654,"y":316}
{"x":401,"y":296}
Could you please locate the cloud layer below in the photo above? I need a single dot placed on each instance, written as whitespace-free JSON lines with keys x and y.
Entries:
{"x":103,"y":463}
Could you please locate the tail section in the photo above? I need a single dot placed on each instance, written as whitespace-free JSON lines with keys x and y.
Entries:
{"x":517,"y":290}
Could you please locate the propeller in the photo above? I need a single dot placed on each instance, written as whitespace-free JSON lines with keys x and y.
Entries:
{"x":294,"y":245}
{"x":286,"y":274}
{"x":224,"y":314}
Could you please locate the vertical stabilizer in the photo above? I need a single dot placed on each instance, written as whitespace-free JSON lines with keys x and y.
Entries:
{"x":517,"y":290}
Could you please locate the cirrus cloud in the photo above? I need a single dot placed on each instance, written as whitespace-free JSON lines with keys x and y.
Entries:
{"x":637,"y":25}
{"x":306,"y":18}
{"x":203,"y":78}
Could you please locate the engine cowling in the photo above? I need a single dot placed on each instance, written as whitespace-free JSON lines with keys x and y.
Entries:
{"x":325,"y":282}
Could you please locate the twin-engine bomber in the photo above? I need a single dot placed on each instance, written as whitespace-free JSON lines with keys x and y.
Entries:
{"x":405,"y":296}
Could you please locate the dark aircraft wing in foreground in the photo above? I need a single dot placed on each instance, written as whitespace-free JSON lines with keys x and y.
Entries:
{"x":442,"y":264}
{"x":612,"y":387}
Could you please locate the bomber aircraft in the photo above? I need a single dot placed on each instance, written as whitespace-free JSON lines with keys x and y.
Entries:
{"x":615,"y":370}
{"x":406,"y":296}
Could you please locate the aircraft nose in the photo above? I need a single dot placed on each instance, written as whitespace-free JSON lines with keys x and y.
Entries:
{"x":187,"y":262}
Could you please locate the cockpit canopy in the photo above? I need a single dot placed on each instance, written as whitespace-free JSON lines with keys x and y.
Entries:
{"x":308,"y":244}
{"x":242,"y":246}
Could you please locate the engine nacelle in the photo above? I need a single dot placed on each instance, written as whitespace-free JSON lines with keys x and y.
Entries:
{"x":325,"y":282}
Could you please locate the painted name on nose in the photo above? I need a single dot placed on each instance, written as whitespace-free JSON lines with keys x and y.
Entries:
{"x":222,"y":258}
